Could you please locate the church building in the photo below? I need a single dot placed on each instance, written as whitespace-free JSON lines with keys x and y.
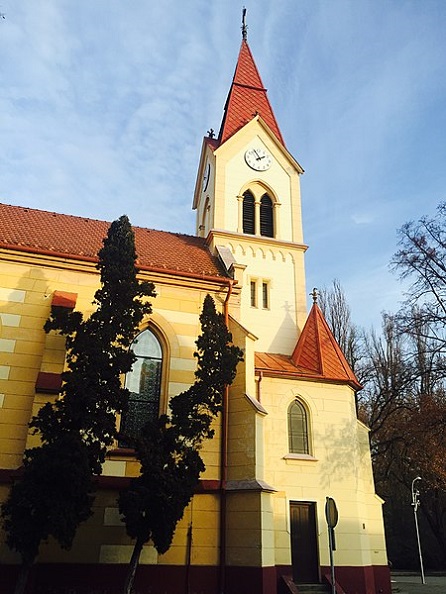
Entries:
{"x":288,"y":437}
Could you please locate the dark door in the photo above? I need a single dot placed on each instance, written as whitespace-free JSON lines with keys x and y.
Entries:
{"x":304,"y":551}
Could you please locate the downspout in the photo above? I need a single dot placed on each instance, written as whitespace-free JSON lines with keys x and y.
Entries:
{"x":224,"y":461}
{"x":259,"y":390}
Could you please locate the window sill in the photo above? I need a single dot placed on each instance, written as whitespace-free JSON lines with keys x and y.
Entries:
{"x":300,"y":457}
{"x":121,"y":453}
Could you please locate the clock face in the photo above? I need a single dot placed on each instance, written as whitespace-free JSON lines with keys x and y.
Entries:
{"x":206,"y":177}
{"x":258,"y":159}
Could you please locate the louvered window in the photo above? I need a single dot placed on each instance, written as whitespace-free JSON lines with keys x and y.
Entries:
{"x":298,"y":429}
{"x":144,"y":385}
{"x":266,"y":216}
{"x":248,"y":213}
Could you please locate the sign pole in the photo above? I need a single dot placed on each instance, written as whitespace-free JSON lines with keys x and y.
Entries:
{"x":331,"y":515}
{"x":330,"y":542}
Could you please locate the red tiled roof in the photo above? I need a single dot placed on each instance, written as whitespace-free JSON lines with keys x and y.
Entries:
{"x":39,"y":231}
{"x":317,"y":355}
{"x":247,"y":98}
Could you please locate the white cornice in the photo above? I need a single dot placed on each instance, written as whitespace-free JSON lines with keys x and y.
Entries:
{"x":254,"y":239}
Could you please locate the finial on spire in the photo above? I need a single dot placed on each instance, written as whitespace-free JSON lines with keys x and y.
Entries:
{"x":314,"y":293}
{"x":244,"y":25}
{"x":211,"y":133}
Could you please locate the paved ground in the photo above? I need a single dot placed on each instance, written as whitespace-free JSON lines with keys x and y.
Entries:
{"x":410,"y":583}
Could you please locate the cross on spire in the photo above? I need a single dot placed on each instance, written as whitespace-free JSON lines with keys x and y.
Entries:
{"x":244,"y":25}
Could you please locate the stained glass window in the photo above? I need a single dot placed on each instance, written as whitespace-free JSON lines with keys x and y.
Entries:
{"x":144,"y":384}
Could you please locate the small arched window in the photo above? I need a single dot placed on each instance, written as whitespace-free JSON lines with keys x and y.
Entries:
{"x":144,"y":384}
{"x":298,"y":429}
{"x":248,"y":213}
{"x":266,"y":216}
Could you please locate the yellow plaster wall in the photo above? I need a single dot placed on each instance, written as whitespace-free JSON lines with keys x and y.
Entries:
{"x":26,"y":288}
{"x":258,"y":532}
{"x":25,"y":300}
{"x":103,"y":538}
{"x":232,"y":174}
{"x":339,"y":466}
{"x":279,"y":261}
{"x":244,"y":450}
{"x":278,"y":325}
{"x":204,"y":196}
{"x":250,"y":540}
{"x":281,"y":266}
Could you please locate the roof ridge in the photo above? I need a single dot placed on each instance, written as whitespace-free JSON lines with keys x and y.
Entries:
{"x":52,"y":212}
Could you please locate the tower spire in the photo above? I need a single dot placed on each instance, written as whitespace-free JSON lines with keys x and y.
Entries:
{"x":244,"y":25}
{"x":247,"y":96}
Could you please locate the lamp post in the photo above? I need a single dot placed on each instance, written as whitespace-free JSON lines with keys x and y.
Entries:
{"x":416,"y":505}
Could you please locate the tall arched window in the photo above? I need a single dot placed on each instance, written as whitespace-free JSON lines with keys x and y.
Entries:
{"x":248,"y":213}
{"x":266,"y":216}
{"x":144,"y":384}
{"x":298,"y":429}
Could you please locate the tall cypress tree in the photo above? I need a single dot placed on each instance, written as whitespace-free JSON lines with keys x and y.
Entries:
{"x":168,"y":448}
{"x":56,"y":490}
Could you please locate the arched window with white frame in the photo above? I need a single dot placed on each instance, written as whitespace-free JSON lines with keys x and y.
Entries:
{"x":298,"y":432}
{"x":258,"y":211}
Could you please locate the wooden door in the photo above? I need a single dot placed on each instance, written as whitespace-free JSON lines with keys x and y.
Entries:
{"x":304,"y":549}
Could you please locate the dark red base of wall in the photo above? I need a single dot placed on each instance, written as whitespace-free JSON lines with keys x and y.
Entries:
{"x":353,"y":580}
{"x":362,"y":580}
{"x":109,"y":579}
{"x":253,"y":580}
{"x":159,"y":579}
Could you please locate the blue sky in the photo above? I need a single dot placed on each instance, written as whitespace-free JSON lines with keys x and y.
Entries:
{"x":103,"y":106}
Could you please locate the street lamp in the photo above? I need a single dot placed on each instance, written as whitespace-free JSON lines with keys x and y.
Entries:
{"x":416,"y":505}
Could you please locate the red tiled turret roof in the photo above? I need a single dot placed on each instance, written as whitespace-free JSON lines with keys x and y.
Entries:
{"x":317,"y":355}
{"x":42,"y":232}
{"x":247,"y":98}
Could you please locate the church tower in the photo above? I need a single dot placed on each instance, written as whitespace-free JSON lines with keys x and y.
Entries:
{"x":247,"y":199}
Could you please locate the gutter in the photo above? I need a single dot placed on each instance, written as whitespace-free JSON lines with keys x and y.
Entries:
{"x":94,"y":260}
{"x":224,"y":460}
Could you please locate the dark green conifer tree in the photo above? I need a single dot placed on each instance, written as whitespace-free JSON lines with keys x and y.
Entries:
{"x":168,"y":448}
{"x":55,"y":492}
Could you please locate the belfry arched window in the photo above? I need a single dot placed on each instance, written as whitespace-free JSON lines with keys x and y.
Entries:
{"x":266,"y":216}
{"x":144,"y":384}
{"x":248,"y":213}
{"x":298,"y":429}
